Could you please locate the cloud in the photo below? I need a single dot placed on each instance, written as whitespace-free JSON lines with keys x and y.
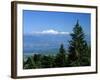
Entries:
{"x":50,"y":31}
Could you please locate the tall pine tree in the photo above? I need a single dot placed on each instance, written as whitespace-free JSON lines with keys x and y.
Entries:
{"x":60,"y":59}
{"x":79,"y":53}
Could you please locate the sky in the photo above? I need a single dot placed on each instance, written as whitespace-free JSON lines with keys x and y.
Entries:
{"x":47,"y":22}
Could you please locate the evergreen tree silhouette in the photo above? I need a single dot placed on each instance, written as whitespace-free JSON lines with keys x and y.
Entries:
{"x":78,"y":48}
{"x":60,"y":60}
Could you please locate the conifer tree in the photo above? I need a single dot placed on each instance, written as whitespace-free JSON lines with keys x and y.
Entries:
{"x":60,"y":60}
{"x":78,"y":48}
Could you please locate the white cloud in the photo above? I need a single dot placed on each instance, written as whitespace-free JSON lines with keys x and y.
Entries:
{"x":50,"y":31}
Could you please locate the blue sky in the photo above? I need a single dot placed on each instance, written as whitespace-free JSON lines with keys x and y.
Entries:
{"x":47,"y":21}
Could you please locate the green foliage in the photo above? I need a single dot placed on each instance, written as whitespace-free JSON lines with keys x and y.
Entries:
{"x":30,"y":64}
{"x":47,"y":61}
{"x":60,"y":59}
{"x":79,"y":52}
{"x":37,"y":60}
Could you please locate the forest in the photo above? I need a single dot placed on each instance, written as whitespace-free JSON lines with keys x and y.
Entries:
{"x":77,"y":54}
